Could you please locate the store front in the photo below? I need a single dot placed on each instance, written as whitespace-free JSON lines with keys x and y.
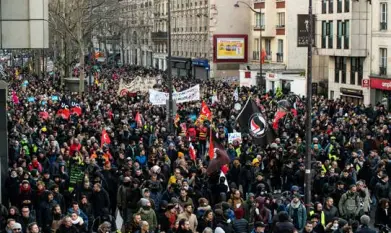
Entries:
{"x":351,"y":95}
{"x":200,"y":68}
{"x":181,"y":67}
{"x":381,"y":91}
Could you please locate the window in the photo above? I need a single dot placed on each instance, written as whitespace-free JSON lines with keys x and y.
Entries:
{"x":324,"y":5}
{"x":353,"y":69}
{"x":340,"y":65}
{"x":324,"y":34}
{"x":339,"y":34}
{"x":336,"y":69}
{"x":339,"y":6}
{"x":281,"y":19}
{"x":257,"y":20}
{"x":383,"y":16}
{"x":330,"y":34}
{"x":280,"y":54}
{"x":346,"y":34}
{"x":260,"y":20}
{"x":331,"y":94}
{"x":383,"y":61}
{"x":347,"y":5}
{"x":343,"y":69}
{"x":331,"y":6}
{"x":268,"y":48}
{"x":360,"y":70}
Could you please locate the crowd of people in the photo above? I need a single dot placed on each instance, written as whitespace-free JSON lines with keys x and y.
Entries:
{"x":65,"y":177}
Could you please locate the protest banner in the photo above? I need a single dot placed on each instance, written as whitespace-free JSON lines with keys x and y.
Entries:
{"x":188,"y":95}
{"x":139,"y":84}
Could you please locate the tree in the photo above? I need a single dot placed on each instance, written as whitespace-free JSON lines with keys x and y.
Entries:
{"x":72,"y":23}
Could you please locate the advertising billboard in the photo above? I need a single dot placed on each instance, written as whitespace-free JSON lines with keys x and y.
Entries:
{"x":302,"y":30}
{"x":230,"y":48}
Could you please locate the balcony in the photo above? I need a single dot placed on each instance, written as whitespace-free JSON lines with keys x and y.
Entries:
{"x":383,"y":70}
{"x":280,"y":57}
{"x":259,"y":27}
{"x":280,"y":4}
{"x":259,"y":4}
{"x":256,"y":55}
{"x":159,"y":36}
{"x":383,"y":25}
{"x":259,"y":0}
{"x":280,"y":29}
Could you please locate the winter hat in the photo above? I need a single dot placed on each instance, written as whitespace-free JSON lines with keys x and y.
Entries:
{"x":34,"y":173}
{"x":174,"y":200}
{"x":16,"y":226}
{"x":144,"y":202}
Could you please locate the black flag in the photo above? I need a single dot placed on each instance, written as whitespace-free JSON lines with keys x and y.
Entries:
{"x":252,"y":121}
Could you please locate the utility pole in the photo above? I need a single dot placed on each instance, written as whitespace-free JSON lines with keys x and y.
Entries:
{"x":308,"y":136}
{"x":169,"y":75}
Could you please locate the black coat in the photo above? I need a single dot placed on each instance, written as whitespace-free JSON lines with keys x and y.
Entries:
{"x":240,"y":225}
{"x":365,"y":229}
{"x":100,"y":200}
{"x":63,"y":229}
{"x":381,"y":217}
{"x":284,"y":227}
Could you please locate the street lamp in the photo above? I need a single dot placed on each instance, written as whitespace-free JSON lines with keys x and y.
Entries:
{"x":169,"y":75}
{"x":260,"y":36}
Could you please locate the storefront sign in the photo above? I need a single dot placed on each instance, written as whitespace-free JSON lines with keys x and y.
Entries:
{"x":349,"y":91}
{"x":365,"y":83}
{"x":271,"y":75}
{"x":200,"y":62}
{"x":381,"y":84}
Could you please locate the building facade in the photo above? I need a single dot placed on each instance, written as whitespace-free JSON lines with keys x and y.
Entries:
{"x":138,"y":22}
{"x":379,"y":82}
{"x":193,"y":25}
{"x":344,"y":31}
{"x":280,"y":25}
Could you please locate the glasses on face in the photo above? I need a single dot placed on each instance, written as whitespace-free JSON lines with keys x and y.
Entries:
{"x":17,"y":229}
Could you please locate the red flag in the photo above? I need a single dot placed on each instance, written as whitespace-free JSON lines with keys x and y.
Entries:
{"x":263,"y":56}
{"x":277,"y":117}
{"x":222,"y":158}
{"x":211,"y":146}
{"x":104,"y":139}
{"x":76,"y":110}
{"x":192,"y":152}
{"x":205,"y":111}
{"x":44,"y":115}
{"x":64,"y":113}
{"x":138,"y":119}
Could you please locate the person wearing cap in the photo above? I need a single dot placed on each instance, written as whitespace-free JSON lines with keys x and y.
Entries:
{"x":148,"y":214}
{"x":123,"y":199}
{"x":240,"y":224}
{"x":349,"y":205}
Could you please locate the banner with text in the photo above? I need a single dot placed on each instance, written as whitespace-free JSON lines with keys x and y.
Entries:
{"x":160,"y":98}
{"x":139,"y":84}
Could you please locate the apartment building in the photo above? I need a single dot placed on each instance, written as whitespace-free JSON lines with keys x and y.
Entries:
{"x":193,"y":26}
{"x":282,"y":26}
{"x":138,"y":19}
{"x":379,"y":82}
{"x":344,"y":35}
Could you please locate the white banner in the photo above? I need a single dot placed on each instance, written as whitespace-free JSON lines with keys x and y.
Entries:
{"x":234,"y":137}
{"x":139,"y":84}
{"x":160,"y":98}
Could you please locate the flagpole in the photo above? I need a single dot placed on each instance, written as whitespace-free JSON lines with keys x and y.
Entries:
{"x":308,"y":139}
{"x":248,"y":100}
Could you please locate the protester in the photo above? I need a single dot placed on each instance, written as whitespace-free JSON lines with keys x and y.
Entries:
{"x":75,"y":159}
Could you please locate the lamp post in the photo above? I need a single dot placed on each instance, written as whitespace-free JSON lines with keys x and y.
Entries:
{"x":169,"y":75}
{"x":260,"y":37}
{"x":308,"y":157}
